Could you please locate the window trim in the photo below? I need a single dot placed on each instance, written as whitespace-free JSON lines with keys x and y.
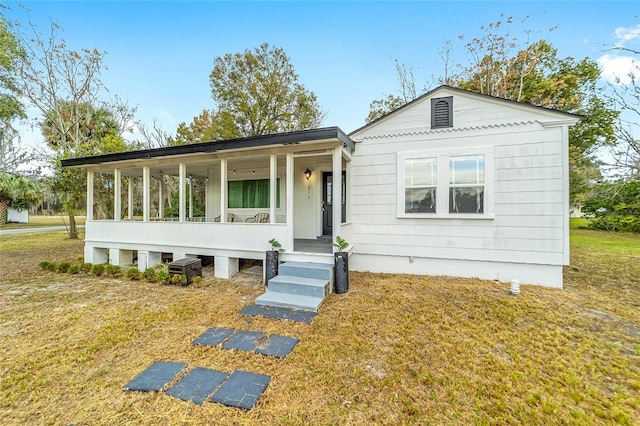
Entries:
{"x":442,"y":183}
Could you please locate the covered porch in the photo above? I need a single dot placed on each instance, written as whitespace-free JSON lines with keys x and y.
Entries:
{"x":224,"y":199}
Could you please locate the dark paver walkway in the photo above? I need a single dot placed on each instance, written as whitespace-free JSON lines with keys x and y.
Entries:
{"x":197,"y":385}
{"x":155,"y":377}
{"x":242,"y":389}
{"x":248,"y":341}
{"x":274,"y":312}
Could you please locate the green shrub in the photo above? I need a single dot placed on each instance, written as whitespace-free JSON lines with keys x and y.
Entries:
{"x":617,"y":223}
{"x":179,"y":279}
{"x":113,"y":270}
{"x":197,"y":279}
{"x":163,"y":277}
{"x":85,"y":268}
{"x":149,"y":274}
{"x":133,"y":274}
{"x":52,"y":266}
{"x":45,"y":265}
{"x":63,"y":267}
{"x":97,"y":269}
{"x":73,"y":269}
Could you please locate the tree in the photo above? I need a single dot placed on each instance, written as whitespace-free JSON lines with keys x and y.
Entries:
{"x":208,"y":126}
{"x":97,"y":133}
{"x":408,"y":92}
{"x":16,"y":191}
{"x":11,"y":107}
{"x":614,"y":206}
{"x":257,"y":92}
{"x":10,"y":53}
{"x":625,"y":94}
{"x":501,"y":66}
{"x":64,"y":86}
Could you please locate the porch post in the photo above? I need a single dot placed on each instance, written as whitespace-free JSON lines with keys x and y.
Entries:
{"x":182,"y":178}
{"x":146,"y":193}
{"x":337,"y":191}
{"x":190,"y":197}
{"x":160,"y":196}
{"x":223,"y":190}
{"x":117,"y":194}
{"x":130,"y":199}
{"x":90,"y":178}
{"x":289,"y":167}
{"x":206,"y":196}
{"x":348,"y":185}
{"x":273,"y":178}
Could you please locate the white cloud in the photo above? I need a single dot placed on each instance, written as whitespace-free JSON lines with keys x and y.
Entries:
{"x":616,"y":69}
{"x":624,"y":35}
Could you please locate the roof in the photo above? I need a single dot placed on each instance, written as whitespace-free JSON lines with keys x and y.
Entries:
{"x":465,"y":92}
{"x":287,"y":138}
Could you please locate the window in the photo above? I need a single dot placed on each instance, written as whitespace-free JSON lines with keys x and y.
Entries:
{"x":466,"y":184}
{"x":420,"y":177}
{"x":442,"y":184}
{"x":248,"y":194}
{"x":442,"y":112}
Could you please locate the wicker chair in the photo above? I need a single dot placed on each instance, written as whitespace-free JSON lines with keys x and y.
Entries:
{"x":259,"y":218}
{"x":230,"y":218}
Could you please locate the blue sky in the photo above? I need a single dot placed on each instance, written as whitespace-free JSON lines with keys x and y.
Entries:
{"x":160,"y":54}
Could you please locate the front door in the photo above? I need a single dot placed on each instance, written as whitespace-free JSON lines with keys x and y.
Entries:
{"x":328,"y":201}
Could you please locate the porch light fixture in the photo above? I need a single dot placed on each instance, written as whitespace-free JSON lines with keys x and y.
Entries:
{"x":307,"y":173}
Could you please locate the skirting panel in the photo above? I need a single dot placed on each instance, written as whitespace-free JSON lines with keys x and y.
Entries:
{"x":545,"y":275}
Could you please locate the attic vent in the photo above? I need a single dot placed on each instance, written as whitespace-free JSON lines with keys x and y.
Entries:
{"x":442,"y":112}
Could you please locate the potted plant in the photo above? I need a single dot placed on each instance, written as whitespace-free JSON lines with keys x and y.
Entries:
{"x":271,"y":261}
{"x":341,"y":265}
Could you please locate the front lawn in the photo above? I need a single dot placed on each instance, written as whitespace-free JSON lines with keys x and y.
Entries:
{"x":395,"y":349}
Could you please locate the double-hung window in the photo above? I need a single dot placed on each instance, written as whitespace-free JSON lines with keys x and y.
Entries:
{"x":466,"y":184}
{"x":420,"y":183}
{"x":445,"y":184}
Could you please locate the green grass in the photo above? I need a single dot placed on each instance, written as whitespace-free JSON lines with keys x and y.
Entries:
{"x":395,"y":349}
{"x":44,"y":221}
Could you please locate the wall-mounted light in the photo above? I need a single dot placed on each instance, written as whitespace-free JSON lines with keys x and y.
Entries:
{"x":307,"y":173}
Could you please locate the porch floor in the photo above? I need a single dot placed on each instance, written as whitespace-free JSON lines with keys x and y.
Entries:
{"x":319,"y":245}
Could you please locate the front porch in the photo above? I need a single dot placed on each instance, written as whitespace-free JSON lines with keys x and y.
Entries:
{"x":223,"y":199}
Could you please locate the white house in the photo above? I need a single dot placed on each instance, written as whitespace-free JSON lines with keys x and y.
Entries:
{"x":462,"y":184}
{"x":454,"y":183}
{"x":17,"y":216}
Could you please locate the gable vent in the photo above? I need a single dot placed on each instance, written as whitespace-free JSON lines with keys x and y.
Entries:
{"x":441,"y":112}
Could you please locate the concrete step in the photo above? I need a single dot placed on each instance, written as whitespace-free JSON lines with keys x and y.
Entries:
{"x":295,"y":301}
{"x":319,"y":271}
{"x":299,"y":285}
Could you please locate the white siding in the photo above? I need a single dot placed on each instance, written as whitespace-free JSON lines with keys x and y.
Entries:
{"x":307,"y":213}
{"x":528,"y":190}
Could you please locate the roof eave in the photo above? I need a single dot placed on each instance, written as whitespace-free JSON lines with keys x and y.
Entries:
{"x":288,"y":138}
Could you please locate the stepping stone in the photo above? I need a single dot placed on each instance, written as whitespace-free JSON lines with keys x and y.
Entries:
{"x":254,"y":310}
{"x":213,"y":336}
{"x":244,"y":341}
{"x":274,"y":312}
{"x":155,"y":377}
{"x":277,"y":346}
{"x":197,"y":385}
{"x":290,"y":314}
{"x":241,"y":390}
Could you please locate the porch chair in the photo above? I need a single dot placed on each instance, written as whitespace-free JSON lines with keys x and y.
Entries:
{"x":258,"y":218}
{"x":230,"y":218}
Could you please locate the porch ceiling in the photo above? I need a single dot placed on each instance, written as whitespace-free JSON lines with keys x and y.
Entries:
{"x":198,"y":168}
